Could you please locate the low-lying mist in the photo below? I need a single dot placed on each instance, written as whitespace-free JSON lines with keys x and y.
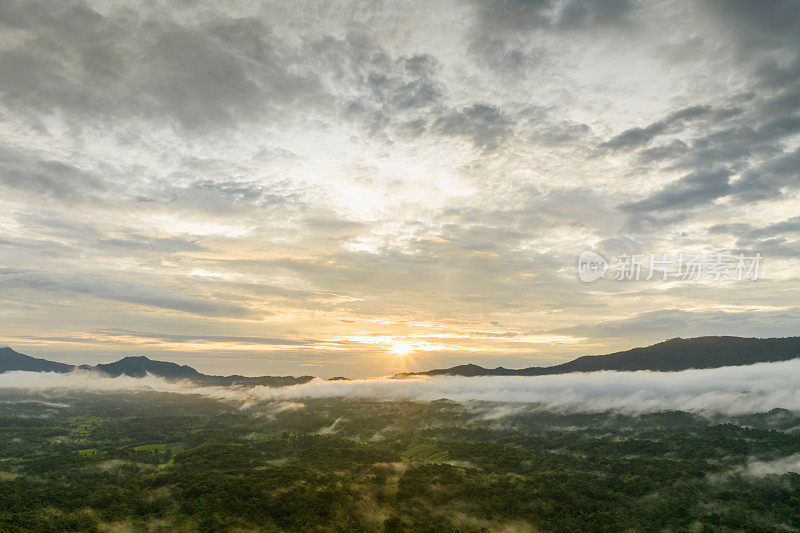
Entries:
{"x":732,"y":391}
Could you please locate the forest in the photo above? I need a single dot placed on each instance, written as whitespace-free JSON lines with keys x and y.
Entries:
{"x":151,"y":461}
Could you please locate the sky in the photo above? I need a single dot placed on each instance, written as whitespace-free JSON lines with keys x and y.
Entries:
{"x":359,"y":188}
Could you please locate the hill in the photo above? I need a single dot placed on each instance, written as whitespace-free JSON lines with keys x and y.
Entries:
{"x":11,"y":360}
{"x":668,"y":356}
{"x":140,"y":366}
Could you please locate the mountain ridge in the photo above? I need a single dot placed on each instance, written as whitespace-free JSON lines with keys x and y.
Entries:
{"x":671,"y":355}
{"x":139,"y":366}
{"x":11,"y":360}
{"x":667,"y":356}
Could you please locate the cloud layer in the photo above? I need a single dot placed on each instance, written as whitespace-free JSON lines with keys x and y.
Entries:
{"x":729,"y":390}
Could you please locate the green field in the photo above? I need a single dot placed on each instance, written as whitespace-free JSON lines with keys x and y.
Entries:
{"x":425,"y":452}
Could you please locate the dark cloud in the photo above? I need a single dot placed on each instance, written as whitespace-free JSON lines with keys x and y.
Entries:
{"x":138,"y":243}
{"x":117,"y":290}
{"x":748,"y":133}
{"x":206,"y":71}
{"x":72,"y":59}
{"x":679,"y":323}
{"x":672,"y":150}
{"x":585,"y":13}
{"x":513,"y":15}
{"x":485,"y":125}
{"x":697,"y":188}
{"x":635,"y":137}
{"x":778,"y":239}
{"x":544,"y":127}
{"x":502,"y":30}
{"x":744,"y":162}
{"x":28,"y":173}
{"x":383,"y":94}
{"x":398,"y":91}
{"x":754,"y":27}
{"x":174,"y":337}
{"x":768,"y":179}
{"x":527,"y":15}
{"x":220,"y":196}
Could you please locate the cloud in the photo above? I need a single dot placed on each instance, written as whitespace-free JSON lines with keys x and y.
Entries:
{"x":697,"y":188}
{"x":517,"y":15}
{"x":770,"y":179}
{"x":484,"y":124}
{"x":135,"y":242}
{"x":635,"y":137}
{"x":183,"y":338}
{"x":790,"y":225}
{"x":747,"y":321}
{"x":772,"y":239}
{"x":775,"y":467}
{"x":201,"y":72}
{"x":109,"y":288}
{"x":387,"y":92}
{"x":585,"y":13}
{"x":504,"y":34}
{"x":32,"y":174}
{"x":728,"y":390}
{"x":370,"y":169}
{"x":752,"y":28}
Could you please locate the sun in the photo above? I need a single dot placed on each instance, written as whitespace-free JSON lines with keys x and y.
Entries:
{"x":401,"y":348}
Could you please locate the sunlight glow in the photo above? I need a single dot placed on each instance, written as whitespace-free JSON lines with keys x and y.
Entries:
{"x":401,"y":348}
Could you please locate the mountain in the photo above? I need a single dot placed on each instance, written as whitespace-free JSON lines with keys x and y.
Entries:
{"x":668,"y":356}
{"x":11,"y":360}
{"x":264,"y":381}
{"x":140,"y":366}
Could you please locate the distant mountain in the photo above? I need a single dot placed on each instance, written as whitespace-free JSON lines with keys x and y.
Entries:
{"x":11,"y":360}
{"x":668,"y":356}
{"x":140,"y":366}
{"x":264,"y":381}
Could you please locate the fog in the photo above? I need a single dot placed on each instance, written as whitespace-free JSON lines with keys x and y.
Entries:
{"x":766,"y":468}
{"x":728,"y":390}
{"x":757,"y":468}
